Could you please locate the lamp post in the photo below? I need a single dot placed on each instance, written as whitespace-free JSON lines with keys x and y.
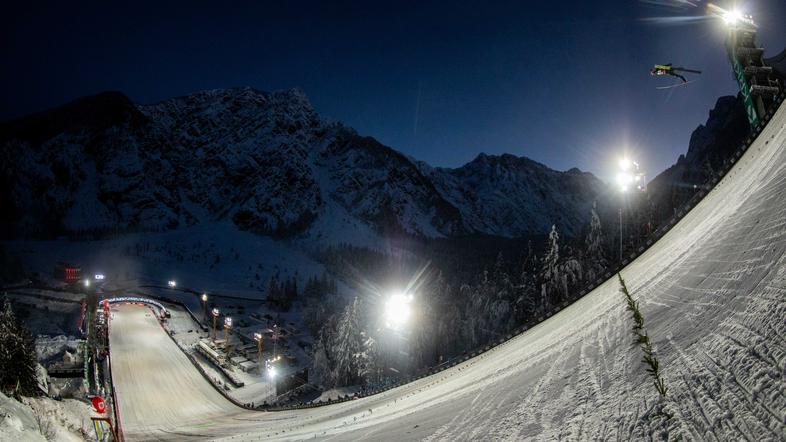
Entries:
{"x":227,"y":327}
{"x":204,"y":305}
{"x":275,"y":339}
{"x":215,"y":313}
{"x":629,"y":176}
{"x":258,"y":338}
{"x":397,"y":314}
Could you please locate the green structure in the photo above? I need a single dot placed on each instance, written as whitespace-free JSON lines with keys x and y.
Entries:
{"x":757,"y":84}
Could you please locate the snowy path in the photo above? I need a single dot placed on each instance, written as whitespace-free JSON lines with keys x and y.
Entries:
{"x":713,"y":295}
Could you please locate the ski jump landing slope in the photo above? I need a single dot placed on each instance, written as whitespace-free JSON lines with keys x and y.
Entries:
{"x":713,"y":295}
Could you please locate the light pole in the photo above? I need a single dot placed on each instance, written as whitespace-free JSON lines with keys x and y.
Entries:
{"x":275,"y":339}
{"x":258,"y":338}
{"x":621,"y":204}
{"x":630,"y":176}
{"x":204,"y":305}
{"x":227,"y":327}
{"x":215,"y":313}
{"x":396,"y":315}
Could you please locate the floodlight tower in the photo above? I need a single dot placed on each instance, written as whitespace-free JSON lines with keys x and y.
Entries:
{"x":398,"y":309}
{"x":215,"y":314}
{"x":204,"y":305}
{"x":276,"y":335}
{"x":630,"y":177}
{"x":258,"y":338}
{"x":227,"y":327}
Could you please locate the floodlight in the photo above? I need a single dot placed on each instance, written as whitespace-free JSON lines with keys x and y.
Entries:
{"x":397,"y":309}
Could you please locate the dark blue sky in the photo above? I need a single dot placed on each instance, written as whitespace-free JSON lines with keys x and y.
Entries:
{"x":564,"y":83}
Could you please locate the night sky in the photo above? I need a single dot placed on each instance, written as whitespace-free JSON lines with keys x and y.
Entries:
{"x":564,"y":83}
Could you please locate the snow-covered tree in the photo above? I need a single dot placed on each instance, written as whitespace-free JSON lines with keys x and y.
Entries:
{"x":18,"y":361}
{"x":369,"y":367}
{"x":595,"y":263}
{"x":348,"y":345}
{"x":550,"y":277}
{"x":321,"y":366}
{"x":571,"y":274}
{"x":527,"y":291}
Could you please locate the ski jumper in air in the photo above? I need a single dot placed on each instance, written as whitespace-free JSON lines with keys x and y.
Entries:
{"x":668,"y":69}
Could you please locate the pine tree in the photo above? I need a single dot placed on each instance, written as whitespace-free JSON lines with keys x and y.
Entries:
{"x":321,"y":366}
{"x":550,"y":272}
{"x":526,"y":301}
{"x":571,"y":274}
{"x":18,"y":361}
{"x":348,"y":344}
{"x":368,"y":360}
{"x":423,"y":337}
{"x":595,"y":260}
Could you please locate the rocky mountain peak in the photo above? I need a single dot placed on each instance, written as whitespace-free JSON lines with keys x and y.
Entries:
{"x":267,"y":162}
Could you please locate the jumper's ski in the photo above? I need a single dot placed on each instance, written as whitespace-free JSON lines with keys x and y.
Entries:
{"x":675,"y":85}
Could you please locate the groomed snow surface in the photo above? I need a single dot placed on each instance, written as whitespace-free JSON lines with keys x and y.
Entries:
{"x":712,"y":293}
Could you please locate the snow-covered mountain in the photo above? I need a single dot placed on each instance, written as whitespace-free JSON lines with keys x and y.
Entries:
{"x":514,"y":196}
{"x":266,"y":161}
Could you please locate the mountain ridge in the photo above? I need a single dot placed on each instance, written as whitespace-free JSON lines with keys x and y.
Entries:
{"x":269,"y":163}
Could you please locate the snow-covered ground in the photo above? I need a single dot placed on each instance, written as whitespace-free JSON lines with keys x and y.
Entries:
{"x":713,"y":296}
{"x":49,"y":347}
{"x":336,"y":393}
{"x":44,"y":419}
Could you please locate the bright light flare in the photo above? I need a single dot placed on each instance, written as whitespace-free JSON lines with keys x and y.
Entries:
{"x":733,"y":18}
{"x":98,"y":276}
{"x":172,"y":283}
{"x":204,"y":297}
{"x":398,"y":310}
{"x":87,"y":283}
{"x":625,"y":163}
{"x":215,"y":312}
{"x":624,"y":179}
{"x":271,"y":372}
